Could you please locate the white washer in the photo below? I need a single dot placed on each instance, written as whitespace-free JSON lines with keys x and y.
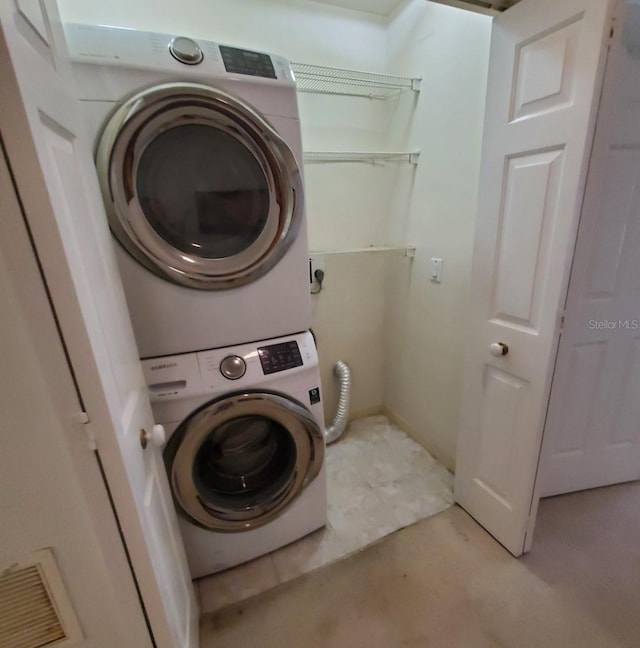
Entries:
{"x":198,"y":152}
{"x":245,"y":453}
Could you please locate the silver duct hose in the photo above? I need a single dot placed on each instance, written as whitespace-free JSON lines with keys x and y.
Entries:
{"x":340,"y":420}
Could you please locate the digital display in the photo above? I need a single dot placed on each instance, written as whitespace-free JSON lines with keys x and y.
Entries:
{"x":239,"y":61}
{"x":279,"y":357}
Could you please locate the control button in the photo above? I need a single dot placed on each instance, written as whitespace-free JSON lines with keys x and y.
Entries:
{"x":233,"y":367}
{"x":185,"y":50}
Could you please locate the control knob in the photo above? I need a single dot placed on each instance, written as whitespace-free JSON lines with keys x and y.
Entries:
{"x":233,"y":367}
{"x":186,"y":50}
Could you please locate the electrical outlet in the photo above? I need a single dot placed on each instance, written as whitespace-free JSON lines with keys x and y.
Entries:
{"x":436,"y":270}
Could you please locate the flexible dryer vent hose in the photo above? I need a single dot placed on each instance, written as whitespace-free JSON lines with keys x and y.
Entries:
{"x":340,"y":420}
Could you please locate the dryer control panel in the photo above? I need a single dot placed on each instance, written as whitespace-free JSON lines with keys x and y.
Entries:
{"x":105,"y":46}
{"x":246,"y":62}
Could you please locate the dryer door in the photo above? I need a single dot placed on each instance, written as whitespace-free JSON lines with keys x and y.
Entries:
{"x":199,"y":188}
{"x":239,"y":461}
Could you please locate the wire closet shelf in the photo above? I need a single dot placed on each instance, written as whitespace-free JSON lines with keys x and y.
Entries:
{"x":321,"y":79}
{"x":371,"y":157}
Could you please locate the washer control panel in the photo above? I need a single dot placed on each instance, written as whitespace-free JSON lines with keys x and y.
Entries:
{"x":279,"y":357}
{"x":245,"y":366}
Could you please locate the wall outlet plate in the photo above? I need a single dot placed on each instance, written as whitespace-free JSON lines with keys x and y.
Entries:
{"x":436,"y":270}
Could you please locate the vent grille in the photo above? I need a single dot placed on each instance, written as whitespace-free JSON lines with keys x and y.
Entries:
{"x":28,"y":618}
{"x":35,"y":610}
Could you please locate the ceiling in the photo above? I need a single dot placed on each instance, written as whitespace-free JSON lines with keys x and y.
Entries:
{"x":385,"y":7}
{"x":380,"y":7}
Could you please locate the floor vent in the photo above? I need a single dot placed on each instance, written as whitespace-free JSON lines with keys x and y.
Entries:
{"x":35,"y":610}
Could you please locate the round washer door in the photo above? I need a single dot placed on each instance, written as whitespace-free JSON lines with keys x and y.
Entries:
{"x":239,"y":461}
{"x":199,"y":188}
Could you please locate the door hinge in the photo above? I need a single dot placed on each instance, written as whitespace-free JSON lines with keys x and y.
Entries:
{"x":563,"y":319}
{"x":612,"y":32}
{"x":82,"y":418}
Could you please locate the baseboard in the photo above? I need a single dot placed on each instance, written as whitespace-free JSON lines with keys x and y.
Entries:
{"x":367,"y":411}
{"x":403,"y":424}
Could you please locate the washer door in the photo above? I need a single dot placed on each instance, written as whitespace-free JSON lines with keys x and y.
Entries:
{"x":239,"y":461}
{"x":199,"y":188}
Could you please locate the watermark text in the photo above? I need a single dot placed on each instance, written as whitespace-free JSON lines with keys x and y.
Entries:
{"x":628,"y":325}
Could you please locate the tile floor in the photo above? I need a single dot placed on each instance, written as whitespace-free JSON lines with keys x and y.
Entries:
{"x":379,"y":481}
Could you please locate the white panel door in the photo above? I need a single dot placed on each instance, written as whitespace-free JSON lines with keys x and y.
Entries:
{"x":55,"y":180}
{"x":592,"y":436}
{"x":544,"y":76}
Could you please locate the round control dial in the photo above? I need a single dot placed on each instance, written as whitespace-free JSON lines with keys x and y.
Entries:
{"x":186,"y":50}
{"x":233,"y":367}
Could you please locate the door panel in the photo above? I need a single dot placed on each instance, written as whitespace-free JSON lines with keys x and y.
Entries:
{"x":618,"y":194}
{"x":545,"y":70}
{"x":592,"y":437}
{"x":586,"y":366}
{"x":625,"y":430}
{"x":531,"y":190}
{"x":31,"y":10}
{"x":158,"y":514}
{"x":504,"y":395}
{"x":56,"y":181}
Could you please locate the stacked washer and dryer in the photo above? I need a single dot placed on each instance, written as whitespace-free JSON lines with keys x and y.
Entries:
{"x":198,"y":152}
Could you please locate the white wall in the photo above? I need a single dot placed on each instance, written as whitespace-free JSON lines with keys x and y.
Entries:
{"x":348,"y":320}
{"x":449,"y":48}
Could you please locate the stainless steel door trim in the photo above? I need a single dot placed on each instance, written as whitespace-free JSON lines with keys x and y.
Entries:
{"x":142,"y":233}
{"x":184,"y":445}
{"x":127,"y":133}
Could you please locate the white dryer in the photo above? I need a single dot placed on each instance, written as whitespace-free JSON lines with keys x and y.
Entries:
{"x":245,"y":450}
{"x":198,"y":153}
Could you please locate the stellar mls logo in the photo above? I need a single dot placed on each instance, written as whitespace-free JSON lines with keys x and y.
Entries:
{"x":618,"y":325}
{"x":167,"y":365}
